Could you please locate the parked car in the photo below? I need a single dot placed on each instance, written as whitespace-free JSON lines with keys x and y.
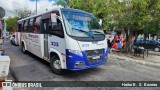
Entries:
{"x":8,"y":37}
{"x":13,"y":39}
{"x":148,"y":44}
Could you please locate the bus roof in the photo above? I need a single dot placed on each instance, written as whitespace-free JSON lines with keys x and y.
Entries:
{"x":37,"y":14}
{"x":74,"y":10}
{"x":63,"y":9}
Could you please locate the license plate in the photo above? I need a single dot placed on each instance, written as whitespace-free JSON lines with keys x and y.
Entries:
{"x":96,"y":57}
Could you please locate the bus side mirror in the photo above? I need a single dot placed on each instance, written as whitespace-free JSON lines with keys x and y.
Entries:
{"x":100,"y":22}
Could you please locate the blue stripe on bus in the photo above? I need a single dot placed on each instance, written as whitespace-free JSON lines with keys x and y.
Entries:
{"x":71,"y":61}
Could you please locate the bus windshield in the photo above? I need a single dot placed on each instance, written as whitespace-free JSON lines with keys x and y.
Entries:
{"x":80,"y":24}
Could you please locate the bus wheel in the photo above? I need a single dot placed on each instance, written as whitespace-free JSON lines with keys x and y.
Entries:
{"x":23,"y":49}
{"x":56,"y":66}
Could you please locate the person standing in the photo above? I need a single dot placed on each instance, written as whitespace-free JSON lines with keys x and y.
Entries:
{"x":119,"y":45}
{"x":109,"y":43}
{"x":0,"y":32}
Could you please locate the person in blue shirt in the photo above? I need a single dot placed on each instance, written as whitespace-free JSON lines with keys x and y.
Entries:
{"x":119,"y":45}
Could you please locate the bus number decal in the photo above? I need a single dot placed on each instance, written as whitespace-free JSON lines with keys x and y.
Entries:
{"x":55,"y":44}
{"x":85,"y":45}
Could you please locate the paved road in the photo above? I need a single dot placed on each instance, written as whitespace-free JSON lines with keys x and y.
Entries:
{"x":27,"y":67}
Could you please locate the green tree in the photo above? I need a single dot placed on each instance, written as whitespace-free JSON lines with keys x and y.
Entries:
{"x":11,"y":24}
{"x":137,"y":15}
{"x":124,"y":15}
{"x":86,"y":5}
{"x":64,"y":3}
{"x":23,"y":13}
{"x":96,"y":7}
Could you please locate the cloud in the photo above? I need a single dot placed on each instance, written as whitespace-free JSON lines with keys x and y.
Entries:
{"x":11,"y":6}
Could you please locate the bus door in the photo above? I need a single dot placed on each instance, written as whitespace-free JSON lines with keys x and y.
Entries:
{"x":45,"y":28}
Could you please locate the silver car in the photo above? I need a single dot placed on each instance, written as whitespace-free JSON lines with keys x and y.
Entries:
{"x":13,"y":39}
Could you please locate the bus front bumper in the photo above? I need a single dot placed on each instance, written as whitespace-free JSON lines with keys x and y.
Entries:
{"x":76,"y":62}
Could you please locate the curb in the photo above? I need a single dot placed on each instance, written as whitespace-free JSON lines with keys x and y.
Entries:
{"x":136,"y":61}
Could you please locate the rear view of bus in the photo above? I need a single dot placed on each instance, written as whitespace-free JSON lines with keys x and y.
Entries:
{"x":69,"y":39}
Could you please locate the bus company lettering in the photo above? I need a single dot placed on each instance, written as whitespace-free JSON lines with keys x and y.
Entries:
{"x":81,"y":18}
{"x":24,"y":36}
{"x":33,"y":36}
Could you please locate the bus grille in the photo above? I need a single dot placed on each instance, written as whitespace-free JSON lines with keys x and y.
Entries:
{"x":93,"y":53}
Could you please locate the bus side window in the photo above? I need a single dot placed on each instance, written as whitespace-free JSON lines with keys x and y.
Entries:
{"x":45,"y":26}
{"x":26,"y":26}
{"x":55,"y":28}
{"x":23,"y":26}
{"x":30,"y":29}
{"x":37,"y":24}
{"x":20,"y":27}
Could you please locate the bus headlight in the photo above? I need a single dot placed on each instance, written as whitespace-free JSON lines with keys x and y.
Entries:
{"x":77,"y":52}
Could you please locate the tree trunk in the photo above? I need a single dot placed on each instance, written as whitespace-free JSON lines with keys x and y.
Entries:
{"x":128,"y":40}
{"x":136,"y":36}
{"x":145,"y":36}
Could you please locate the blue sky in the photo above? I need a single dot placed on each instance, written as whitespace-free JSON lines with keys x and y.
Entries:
{"x":48,"y":0}
{"x":11,"y":6}
{"x":54,"y":0}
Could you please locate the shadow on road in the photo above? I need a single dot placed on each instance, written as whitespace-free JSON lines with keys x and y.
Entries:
{"x":72,"y":74}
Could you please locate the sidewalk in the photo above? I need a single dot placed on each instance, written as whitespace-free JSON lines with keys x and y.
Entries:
{"x":151,"y":60}
{"x":154,"y":53}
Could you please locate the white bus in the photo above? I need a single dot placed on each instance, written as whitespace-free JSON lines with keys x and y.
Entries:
{"x":69,"y":39}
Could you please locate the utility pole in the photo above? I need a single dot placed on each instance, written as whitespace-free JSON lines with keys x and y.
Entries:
{"x":68,"y":3}
{"x":36,"y":6}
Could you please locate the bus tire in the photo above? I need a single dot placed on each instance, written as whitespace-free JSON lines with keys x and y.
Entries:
{"x":23,"y":49}
{"x":56,"y":66}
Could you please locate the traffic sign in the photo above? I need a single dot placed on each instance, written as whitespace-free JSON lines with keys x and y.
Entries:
{"x":2,"y":12}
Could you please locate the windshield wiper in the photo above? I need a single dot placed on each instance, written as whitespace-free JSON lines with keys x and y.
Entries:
{"x":88,"y":33}
{"x":98,"y":31}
